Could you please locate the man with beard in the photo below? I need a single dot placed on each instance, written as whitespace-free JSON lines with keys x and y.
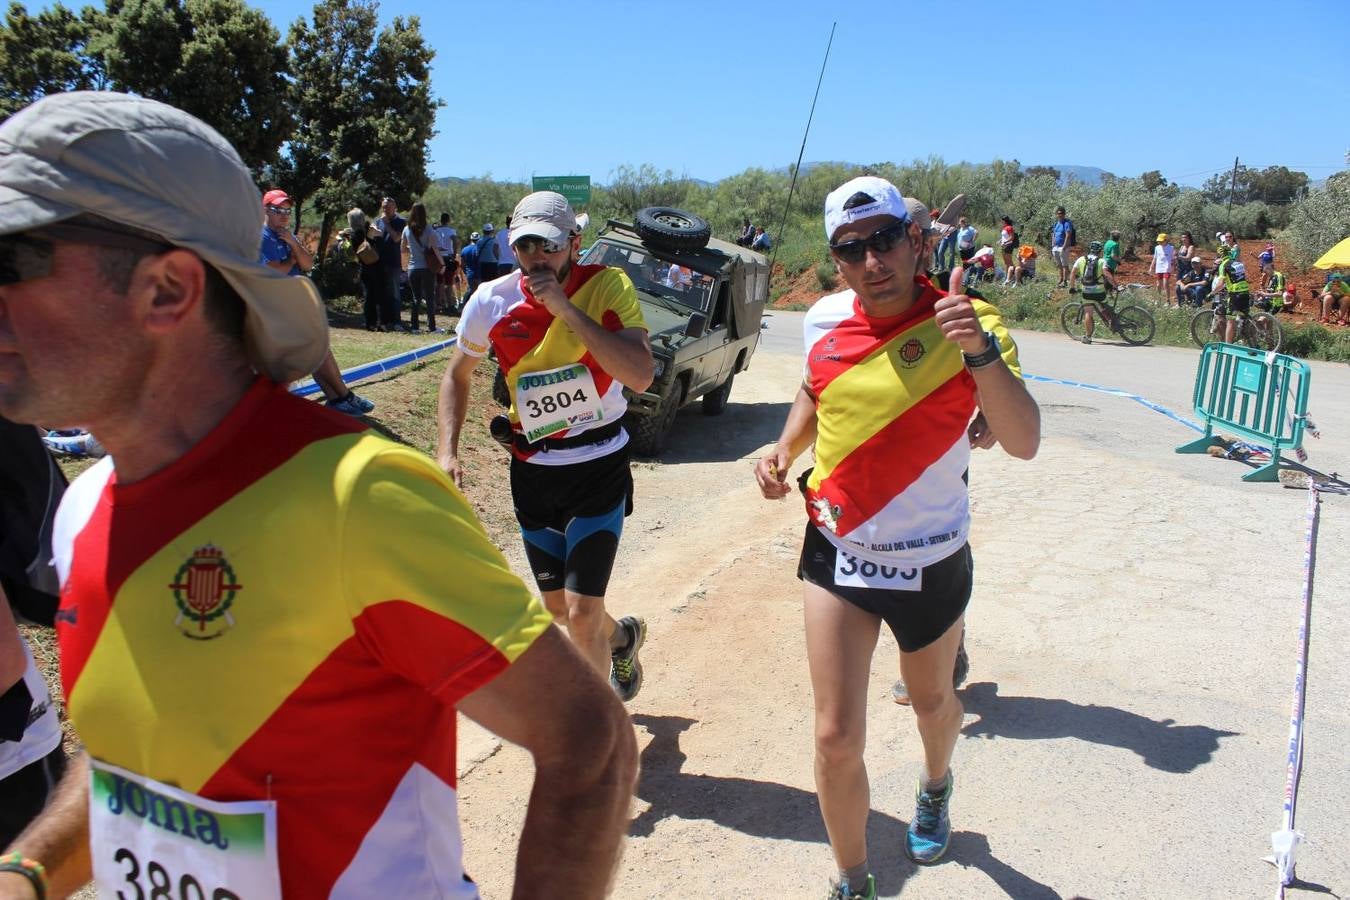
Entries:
{"x":569,"y":338}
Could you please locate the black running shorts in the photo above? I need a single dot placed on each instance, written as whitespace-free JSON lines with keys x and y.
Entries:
{"x":917,"y":617}
{"x":571,"y":518}
{"x":26,"y":791}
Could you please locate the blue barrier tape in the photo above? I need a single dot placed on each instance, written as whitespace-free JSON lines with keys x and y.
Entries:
{"x":378,"y":367}
{"x":1117,"y":392}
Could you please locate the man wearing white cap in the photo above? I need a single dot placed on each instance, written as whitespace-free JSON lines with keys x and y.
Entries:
{"x":270,"y":615}
{"x":895,"y":370}
{"x":568,"y":338}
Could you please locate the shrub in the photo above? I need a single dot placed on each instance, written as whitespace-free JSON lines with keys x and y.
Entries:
{"x":826,"y":276}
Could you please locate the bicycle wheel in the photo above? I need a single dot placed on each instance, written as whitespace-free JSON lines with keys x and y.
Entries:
{"x":1204,"y":328}
{"x":1264,"y":332}
{"x":1071,"y":320}
{"x":1135,"y":324}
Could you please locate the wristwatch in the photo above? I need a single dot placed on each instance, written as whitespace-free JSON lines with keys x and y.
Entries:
{"x":986,"y":357}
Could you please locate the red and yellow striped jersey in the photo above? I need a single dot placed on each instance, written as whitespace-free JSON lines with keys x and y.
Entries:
{"x":528,"y":338}
{"x":893,"y":402}
{"x":291,"y":612}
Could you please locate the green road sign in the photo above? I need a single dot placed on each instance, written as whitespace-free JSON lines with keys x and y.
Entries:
{"x":576,"y":188}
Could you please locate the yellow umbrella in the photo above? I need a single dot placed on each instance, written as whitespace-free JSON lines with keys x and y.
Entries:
{"x":1337,"y":257}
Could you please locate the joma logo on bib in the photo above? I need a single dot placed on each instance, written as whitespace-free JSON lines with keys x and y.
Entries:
{"x":558,"y":376}
{"x":128,"y":798}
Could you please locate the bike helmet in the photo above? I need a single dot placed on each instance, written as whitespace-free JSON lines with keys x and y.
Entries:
{"x":1095,"y":247}
{"x":1238,"y":269}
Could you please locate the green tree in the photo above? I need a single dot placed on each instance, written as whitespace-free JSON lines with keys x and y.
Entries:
{"x":363,"y":107}
{"x":1320,"y":219}
{"x":46,"y":54}
{"x":1153,"y":180}
{"x":220,"y":60}
{"x":1033,"y":171}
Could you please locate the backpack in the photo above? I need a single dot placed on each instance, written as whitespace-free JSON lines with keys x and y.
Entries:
{"x":1073,"y":234}
{"x":1092,"y":270}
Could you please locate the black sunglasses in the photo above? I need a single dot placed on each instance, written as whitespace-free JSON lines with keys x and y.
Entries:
{"x":530,"y":243}
{"x":28,"y":255}
{"x":883,"y":240}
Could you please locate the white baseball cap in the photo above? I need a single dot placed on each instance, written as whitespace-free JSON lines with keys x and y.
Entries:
{"x":864,"y":196}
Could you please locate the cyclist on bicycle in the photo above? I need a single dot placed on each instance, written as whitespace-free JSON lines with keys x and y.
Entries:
{"x":1232,"y":279}
{"x":1091,"y":270}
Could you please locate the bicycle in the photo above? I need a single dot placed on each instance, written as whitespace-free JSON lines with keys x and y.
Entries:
{"x":1261,"y":330}
{"x":1134,"y":324}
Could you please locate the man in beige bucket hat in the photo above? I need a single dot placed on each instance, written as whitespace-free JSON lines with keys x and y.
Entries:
{"x":270,"y":616}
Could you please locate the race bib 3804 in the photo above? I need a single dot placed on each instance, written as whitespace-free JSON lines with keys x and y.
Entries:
{"x":556,"y":400}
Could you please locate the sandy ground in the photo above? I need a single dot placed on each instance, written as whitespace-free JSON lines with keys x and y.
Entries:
{"x":1132,"y":637}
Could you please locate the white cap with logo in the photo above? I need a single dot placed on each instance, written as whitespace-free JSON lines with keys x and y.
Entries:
{"x":859,"y":198}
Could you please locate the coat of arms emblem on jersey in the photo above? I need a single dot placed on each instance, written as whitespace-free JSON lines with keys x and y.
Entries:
{"x":203,"y":590}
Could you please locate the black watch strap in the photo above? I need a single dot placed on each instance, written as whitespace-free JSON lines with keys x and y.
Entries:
{"x":986,"y":357}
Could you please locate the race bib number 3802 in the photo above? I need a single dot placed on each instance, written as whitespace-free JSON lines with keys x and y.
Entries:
{"x":151,"y":841}
{"x":556,"y":400}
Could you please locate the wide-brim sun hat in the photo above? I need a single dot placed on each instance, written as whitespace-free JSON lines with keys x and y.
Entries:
{"x":150,"y":167}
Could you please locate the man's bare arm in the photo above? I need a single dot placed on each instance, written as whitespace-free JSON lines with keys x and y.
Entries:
{"x":58,"y":838}
{"x":13,"y":662}
{"x":624,"y":354}
{"x":585,"y":758}
{"x":799,"y":432}
{"x":451,"y":408}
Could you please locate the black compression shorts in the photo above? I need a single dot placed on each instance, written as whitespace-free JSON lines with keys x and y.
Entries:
{"x":915,"y":617}
{"x":571,"y":518}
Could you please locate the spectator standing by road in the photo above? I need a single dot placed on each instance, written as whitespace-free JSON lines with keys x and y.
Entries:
{"x":447,"y":244}
{"x":1185,"y":253}
{"x":1267,"y":262}
{"x":886,"y":537}
{"x":561,"y":329}
{"x":506,"y":258}
{"x":487,"y":254}
{"x":1164,"y":255}
{"x":389,"y":245}
{"x":966,"y":234}
{"x":374,"y":282}
{"x":419,"y":243}
{"x":1111,"y":251}
{"x":945,"y":255}
{"x":468,"y":257}
{"x":282,"y":252}
{"x":335,"y":601}
{"x":1007,"y":243}
{"x":1062,"y":237}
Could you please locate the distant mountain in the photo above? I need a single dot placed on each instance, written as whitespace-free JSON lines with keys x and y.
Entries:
{"x":1089,"y":175}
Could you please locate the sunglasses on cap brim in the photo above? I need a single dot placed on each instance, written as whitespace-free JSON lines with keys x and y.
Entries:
{"x":280,"y":210}
{"x":28,"y":255}
{"x":531,"y":243}
{"x":883,"y":240}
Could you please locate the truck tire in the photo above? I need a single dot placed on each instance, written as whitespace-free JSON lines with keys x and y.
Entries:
{"x":648,"y":433}
{"x":715,"y":401}
{"x":666,"y":228}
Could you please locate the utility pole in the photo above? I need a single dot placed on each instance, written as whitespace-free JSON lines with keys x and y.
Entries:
{"x":1232,"y":187}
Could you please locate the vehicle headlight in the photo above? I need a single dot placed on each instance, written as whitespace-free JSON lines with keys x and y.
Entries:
{"x":660,"y":368}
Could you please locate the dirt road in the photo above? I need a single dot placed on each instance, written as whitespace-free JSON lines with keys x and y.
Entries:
{"x":1132,"y":638}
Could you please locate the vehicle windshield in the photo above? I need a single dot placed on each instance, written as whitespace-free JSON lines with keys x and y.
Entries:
{"x":654,"y":275}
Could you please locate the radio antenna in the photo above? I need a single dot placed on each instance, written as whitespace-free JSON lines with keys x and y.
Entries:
{"x":792,"y":186}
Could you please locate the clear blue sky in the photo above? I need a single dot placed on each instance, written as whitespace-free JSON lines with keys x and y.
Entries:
{"x":707,"y":89}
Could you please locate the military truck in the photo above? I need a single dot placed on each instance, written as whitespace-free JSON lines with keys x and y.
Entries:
{"x":703,"y":300}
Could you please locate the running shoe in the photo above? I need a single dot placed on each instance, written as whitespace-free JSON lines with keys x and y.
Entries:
{"x":366,"y":405}
{"x":959,"y":672}
{"x":931,"y":831}
{"x":625,"y":671}
{"x":349,"y":405}
{"x":841,"y":890}
{"x":1087,"y":338}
